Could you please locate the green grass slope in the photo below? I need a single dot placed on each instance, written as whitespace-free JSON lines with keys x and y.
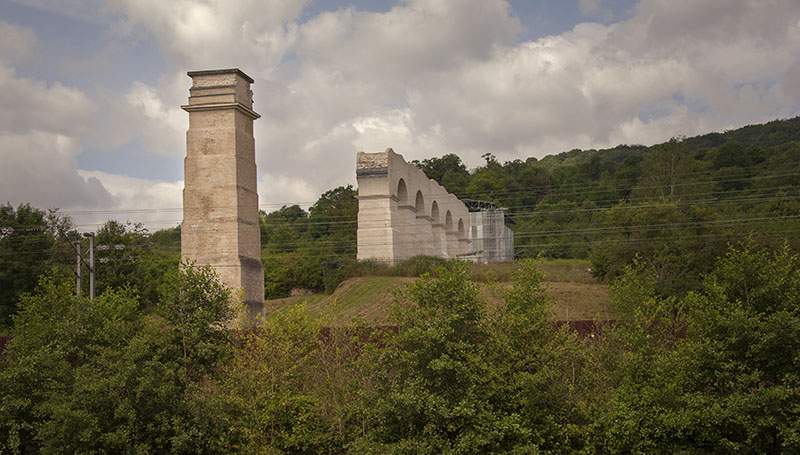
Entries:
{"x":369,"y":298}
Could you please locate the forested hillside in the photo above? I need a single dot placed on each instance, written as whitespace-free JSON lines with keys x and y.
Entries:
{"x":451,"y":376}
{"x":676,"y":205}
{"x":703,"y":357}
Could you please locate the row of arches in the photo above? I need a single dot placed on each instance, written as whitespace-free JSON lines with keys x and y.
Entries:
{"x":434,"y":213}
{"x":402,"y":213}
{"x":431,"y":225}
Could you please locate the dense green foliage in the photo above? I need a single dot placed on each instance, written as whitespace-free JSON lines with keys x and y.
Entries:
{"x":705,"y":356}
{"x":457,"y":379}
{"x":32,"y":242}
{"x":713,"y":372}
{"x":675,"y":205}
{"x":303,"y":249}
{"x":731,"y":386}
{"x":22,"y":253}
{"x":128,"y":255}
{"x":101,"y":376}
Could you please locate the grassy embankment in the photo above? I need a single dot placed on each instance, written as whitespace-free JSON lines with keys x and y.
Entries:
{"x":575,"y":294}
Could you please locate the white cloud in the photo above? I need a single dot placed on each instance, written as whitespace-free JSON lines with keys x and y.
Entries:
{"x":16,"y":42}
{"x":598,"y":85}
{"x":278,"y":190}
{"x":409,"y":42}
{"x":39,"y":168}
{"x":40,"y":126}
{"x":595,"y":9}
{"x":149,"y":102}
{"x":433,"y":77}
{"x":153,"y":115}
{"x":430,"y":77}
{"x":30,"y":105}
{"x":156,"y":204}
{"x":216,"y":33}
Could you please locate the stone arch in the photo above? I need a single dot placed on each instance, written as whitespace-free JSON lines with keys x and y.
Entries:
{"x":402,"y":192}
{"x":448,"y":221}
{"x":419,"y":204}
{"x":460,"y":228}
{"x":435,"y":212}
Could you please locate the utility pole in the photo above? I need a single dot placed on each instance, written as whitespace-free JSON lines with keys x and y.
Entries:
{"x":91,"y":263}
{"x":78,"y":268}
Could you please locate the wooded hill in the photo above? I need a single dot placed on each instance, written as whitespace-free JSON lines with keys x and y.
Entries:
{"x":150,"y":365}
{"x":675,"y":205}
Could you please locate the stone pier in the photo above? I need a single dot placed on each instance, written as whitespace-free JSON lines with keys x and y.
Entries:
{"x":220,"y":202}
{"x":402,"y":213}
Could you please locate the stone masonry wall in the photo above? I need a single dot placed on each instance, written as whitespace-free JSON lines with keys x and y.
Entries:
{"x":402,"y":213}
{"x":220,"y":202}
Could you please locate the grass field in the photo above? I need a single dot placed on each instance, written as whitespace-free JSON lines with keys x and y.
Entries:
{"x":556,"y":270}
{"x":574,"y":295}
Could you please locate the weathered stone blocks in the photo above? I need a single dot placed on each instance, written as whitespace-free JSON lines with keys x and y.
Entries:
{"x":220,"y":202}
{"x":402,"y":213}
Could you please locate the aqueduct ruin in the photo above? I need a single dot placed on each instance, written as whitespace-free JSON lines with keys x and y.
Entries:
{"x":220,"y":202}
{"x":402,"y":213}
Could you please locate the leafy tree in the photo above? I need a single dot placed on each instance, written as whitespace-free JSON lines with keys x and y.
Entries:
{"x":128,"y":255}
{"x":291,"y":387}
{"x":169,"y":238}
{"x":285,"y":229}
{"x":447,"y":170}
{"x":286,"y":271}
{"x":431,"y":393}
{"x":27,"y":243}
{"x":669,"y":239}
{"x":118,"y":246}
{"x":101,"y":376}
{"x":299,"y":248}
{"x":730,"y":386}
{"x":745,"y":352}
{"x":456,"y":380}
{"x":198,"y":306}
{"x":334,"y":214}
{"x":666,"y":169}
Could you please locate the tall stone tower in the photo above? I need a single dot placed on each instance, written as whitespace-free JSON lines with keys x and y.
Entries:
{"x":220,"y":203}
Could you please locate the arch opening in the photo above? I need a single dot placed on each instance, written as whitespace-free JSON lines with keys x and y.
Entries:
{"x":435,"y":212}
{"x":420,"y":204}
{"x":402,"y":192}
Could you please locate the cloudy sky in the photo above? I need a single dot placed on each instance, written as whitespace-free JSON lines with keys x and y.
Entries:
{"x":90,"y":89}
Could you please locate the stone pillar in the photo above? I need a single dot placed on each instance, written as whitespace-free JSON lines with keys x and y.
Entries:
{"x":452,"y":243}
{"x":375,"y":228}
{"x":406,"y":243}
{"x":220,"y":203}
{"x":439,"y":240}
{"x":423,"y":235}
{"x":377,"y":208}
{"x":463,"y":245}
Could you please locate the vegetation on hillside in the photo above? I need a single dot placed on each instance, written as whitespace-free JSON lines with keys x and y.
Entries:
{"x":676,"y":206}
{"x":697,"y":238}
{"x":107,"y":376}
{"x":32,"y":242}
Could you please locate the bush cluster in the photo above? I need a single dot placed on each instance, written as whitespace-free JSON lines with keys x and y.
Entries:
{"x":714,"y":371}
